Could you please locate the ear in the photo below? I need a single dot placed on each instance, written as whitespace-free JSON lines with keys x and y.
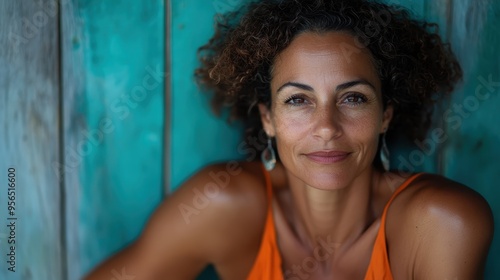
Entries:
{"x":387,"y":117}
{"x":265,"y":118}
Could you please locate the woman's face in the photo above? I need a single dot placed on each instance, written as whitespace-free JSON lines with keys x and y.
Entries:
{"x":326,"y":112}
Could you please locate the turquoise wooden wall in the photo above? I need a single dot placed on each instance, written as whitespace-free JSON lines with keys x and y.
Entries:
{"x":119,"y":112}
{"x":197,"y":136}
{"x":29,"y":142}
{"x":471,"y":153}
{"x":82,"y":92}
{"x":99,"y":119}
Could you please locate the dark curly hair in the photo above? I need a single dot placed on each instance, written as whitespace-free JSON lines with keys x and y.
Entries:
{"x":415,"y":67}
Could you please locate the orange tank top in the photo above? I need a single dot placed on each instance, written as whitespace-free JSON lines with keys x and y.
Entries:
{"x":267,"y":265}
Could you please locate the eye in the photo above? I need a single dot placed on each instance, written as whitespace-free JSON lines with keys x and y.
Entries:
{"x":296,"y":100}
{"x":355,"y":99}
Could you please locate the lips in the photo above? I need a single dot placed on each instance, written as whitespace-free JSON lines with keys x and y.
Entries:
{"x":327,"y":157}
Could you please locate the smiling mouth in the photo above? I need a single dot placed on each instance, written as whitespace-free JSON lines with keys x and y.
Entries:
{"x":327,"y":157}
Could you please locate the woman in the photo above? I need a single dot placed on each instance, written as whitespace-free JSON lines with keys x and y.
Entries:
{"x":325,"y":81}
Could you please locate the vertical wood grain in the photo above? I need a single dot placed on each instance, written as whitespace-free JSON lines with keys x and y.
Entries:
{"x":167,"y":134}
{"x":439,"y":12}
{"x":73,"y":123}
{"x":472,"y":152}
{"x":120,"y":111}
{"x":29,"y":137}
{"x":198,"y":137}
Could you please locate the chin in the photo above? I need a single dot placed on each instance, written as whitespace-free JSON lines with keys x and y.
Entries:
{"x":327,"y":180}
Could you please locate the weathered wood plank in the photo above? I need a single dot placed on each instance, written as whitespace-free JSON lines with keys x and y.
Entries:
{"x":120,"y":112}
{"x":472,"y":153}
{"x":73,"y":82}
{"x":212,"y":139}
{"x":29,"y":138}
{"x":167,"y":134}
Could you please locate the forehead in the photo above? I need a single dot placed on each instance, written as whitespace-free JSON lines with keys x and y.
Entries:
{"x":332,"y":55}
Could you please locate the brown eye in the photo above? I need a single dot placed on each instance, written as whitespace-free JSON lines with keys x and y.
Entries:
{"x":295,"y":100}
{"x":355,"y":99}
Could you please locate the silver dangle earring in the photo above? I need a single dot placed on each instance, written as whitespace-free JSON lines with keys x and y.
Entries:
{"x":268,"y":156}
{"x":384,"y":154}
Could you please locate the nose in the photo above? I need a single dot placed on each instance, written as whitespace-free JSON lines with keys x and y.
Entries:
{"x":327,"y":123}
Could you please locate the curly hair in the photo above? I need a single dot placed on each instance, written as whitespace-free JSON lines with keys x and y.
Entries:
{"x":415,"y":67}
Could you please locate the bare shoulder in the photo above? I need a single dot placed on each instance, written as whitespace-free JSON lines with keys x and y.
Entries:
{"x":220,"y":197}
{"x":439,"y":227}
{"x":215,"y":216}
{"x":442,"y":200}
{"x":226,"y":188}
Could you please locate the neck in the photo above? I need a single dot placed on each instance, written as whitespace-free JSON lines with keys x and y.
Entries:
{"x":340,"y":215}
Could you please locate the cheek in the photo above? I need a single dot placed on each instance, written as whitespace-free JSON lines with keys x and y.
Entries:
{"x":363,"y":133}
{"x":360,"y":132}
{"x":291,"y":129}
{"x":365,"y":125}
{"x":291,"y":125}
{"x":288,"y":135}
{"x":366,"y":122}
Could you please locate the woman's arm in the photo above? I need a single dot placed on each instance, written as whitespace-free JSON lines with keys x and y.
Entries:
{"x":190,"y":229}
{"x":168,"y":243}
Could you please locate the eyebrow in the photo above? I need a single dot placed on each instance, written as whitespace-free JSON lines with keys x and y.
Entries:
{"x":297,"y":85}
{"x":338,"y":88}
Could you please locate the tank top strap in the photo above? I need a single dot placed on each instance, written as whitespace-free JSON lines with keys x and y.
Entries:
{"x":401,"y":188}
{"x":267,"y":265}
{"x":379,"y":267}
